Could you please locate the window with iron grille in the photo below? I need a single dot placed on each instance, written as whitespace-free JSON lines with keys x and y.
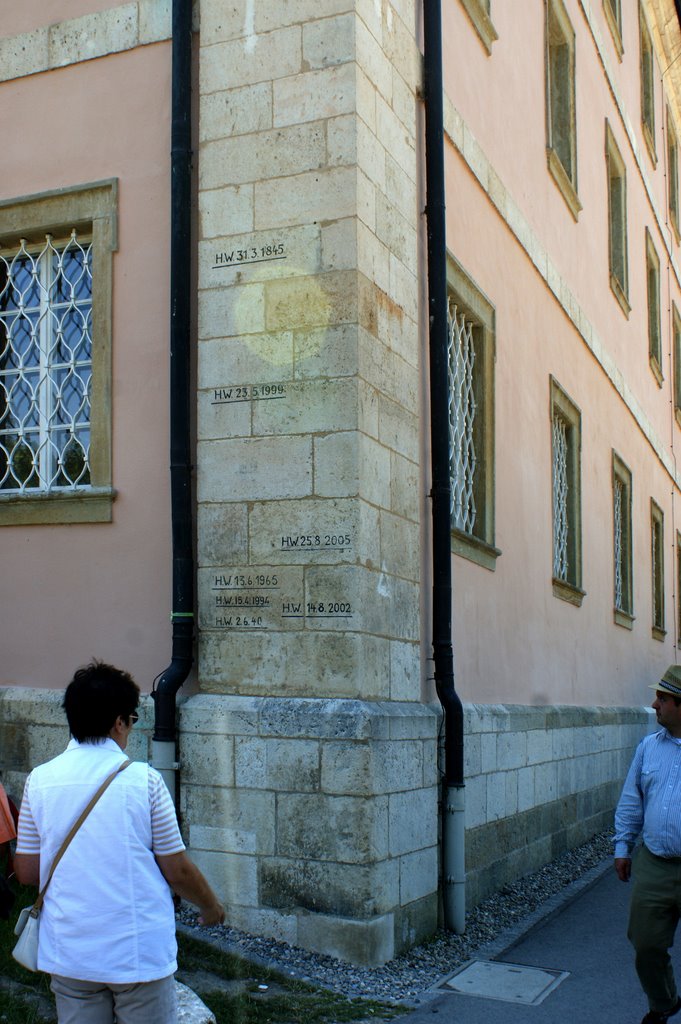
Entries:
{"x":647,"y":86}
{"x":617,"y":221}
{"x":653,"y":292}
{"x":657,"y":568}
{"x":45,"y":365}
{"x":471,"y":418}
{"x":613,"y":16}
{"x":480,"y":14}
{"x":55,"y":352}
{"x":561,"y":124}
{"x":623,"y":589}
{"x":566,"y":504}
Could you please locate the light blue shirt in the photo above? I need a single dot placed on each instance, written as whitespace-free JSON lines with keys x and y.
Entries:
{"x":650,"y":804}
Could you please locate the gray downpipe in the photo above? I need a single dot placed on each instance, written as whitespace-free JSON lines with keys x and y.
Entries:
{"x":452,"y":807}
{"x":171,"y":679}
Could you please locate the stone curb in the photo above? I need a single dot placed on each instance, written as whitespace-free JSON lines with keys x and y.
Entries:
{"x":229,"y":947}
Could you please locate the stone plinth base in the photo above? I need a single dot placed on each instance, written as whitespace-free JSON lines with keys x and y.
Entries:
{"x":317,"y":820}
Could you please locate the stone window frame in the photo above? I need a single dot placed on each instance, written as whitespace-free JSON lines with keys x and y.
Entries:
{"x":479,"y":12}
{"x":647,"y":75}
{"x":673,"y":176}
{"x":561,"y":404}
{"x":561,"y":104}
{"x":676,"y":334}
{"x":623,"y":615}
{"x":618,"y":256}
{"x":653,"y":304}
{"x":479,"y":546}
{"x":91,"y":208}
{"x":657,"y":570}
{"x":613,"y":15}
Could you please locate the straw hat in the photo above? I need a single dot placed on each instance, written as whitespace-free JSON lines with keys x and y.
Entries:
{"x":670,"y":682}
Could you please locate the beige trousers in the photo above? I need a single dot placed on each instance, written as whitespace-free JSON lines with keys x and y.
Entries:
{"x":94,"y":1002}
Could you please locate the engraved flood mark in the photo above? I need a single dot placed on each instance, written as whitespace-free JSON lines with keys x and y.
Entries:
{"x":328,"y":610}
{"x":248,"y":393}
{"x":316,"y":610}
{"x":262,"y":601}
{"x":240,"y":597}
{"x":249,"y":254}
{"x":316,"y":541}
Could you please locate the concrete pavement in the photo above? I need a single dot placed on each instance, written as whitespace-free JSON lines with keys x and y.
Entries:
{"x":584,"y":936}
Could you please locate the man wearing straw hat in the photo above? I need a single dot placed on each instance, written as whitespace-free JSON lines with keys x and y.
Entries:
{"x":650,"y":808}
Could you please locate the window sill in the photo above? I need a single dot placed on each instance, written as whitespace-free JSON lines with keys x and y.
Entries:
{"x":620,"y":295}
{"x":568,"y":592}
{"x":658,"y":634}
{"x":614,"y":30}
{"x":482,"y":22}
{"x":656,"y":370}
{"x":624,"y":619}
{"x":675,"y":227}
{"x":565,"y":185}
{"x":650,"y":143}
{"x":87,"y":506}
{"x":474,"y":549}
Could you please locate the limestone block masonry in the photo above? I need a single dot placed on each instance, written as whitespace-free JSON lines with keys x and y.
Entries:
{"x":316,"y":818}
{"x":308,"y":457}
{"x":540,"y":780}
{"x":306,"y":813}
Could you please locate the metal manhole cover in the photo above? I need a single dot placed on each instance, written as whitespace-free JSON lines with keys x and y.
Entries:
{"x":512,"y":983}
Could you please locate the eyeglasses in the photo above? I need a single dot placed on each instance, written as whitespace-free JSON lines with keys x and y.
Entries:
{"x":134,"y":717}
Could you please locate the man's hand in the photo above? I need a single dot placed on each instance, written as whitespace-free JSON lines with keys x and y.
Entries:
{"x":623,"y":868}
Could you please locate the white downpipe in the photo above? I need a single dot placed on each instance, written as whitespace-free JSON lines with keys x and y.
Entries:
{"x":454,"y":859}
{"x":163,"y":760}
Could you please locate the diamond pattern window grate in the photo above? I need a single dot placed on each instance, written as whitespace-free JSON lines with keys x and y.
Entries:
{"x":560,"y":498}
{"x":45,"y":366}
{"x":462,"y":411}
{"x":619,"y":552}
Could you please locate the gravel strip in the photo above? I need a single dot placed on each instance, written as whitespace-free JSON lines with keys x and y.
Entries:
{"x":408,"y":977}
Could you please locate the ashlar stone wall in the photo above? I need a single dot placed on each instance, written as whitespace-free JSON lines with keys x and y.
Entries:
{"x":539,"y":781}
{"x":308,"y":476}
{"x":308,"y":439}
{"x":306,"y":813}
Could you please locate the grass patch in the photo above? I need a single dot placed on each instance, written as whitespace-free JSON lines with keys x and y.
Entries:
{"x":17,"y":1009}
{"x":313,"y":1008}
{"x":286,"y":1001}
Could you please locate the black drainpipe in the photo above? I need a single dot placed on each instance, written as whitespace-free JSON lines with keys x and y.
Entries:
{"x":453,"y":780}
{"x":182,"y":617}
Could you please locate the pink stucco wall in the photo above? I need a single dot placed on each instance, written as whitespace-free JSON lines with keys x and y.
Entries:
{"x":514,"y":640}
{"x":71,"y":592}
